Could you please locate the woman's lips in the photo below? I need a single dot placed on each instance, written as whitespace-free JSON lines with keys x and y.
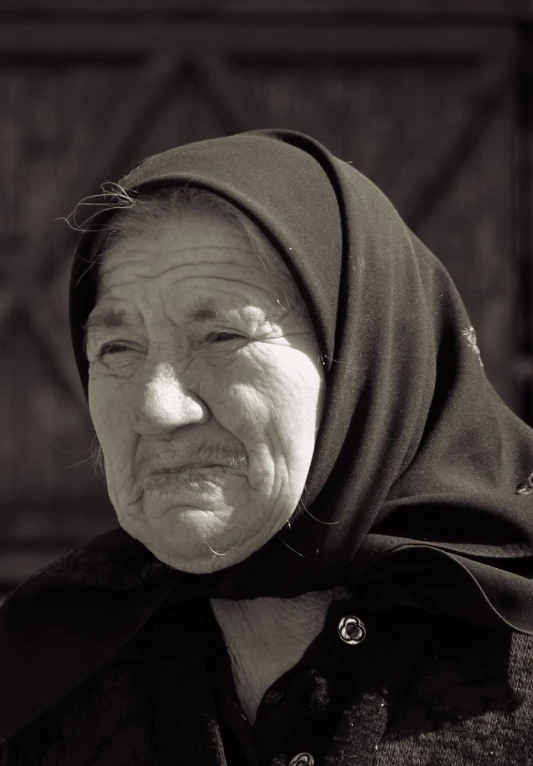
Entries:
{"x":191,"y":473}
{"x":194,"y":467}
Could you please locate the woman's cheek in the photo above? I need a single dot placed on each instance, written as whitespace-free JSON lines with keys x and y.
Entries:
{"x":98,"y":407}
{"x":263,"y":388}
{"x":239,"y":408}
{"x":111,"y":413}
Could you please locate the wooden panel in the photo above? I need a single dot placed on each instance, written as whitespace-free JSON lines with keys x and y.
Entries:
{"x":188,"y":116}
{"x":330,"y":38}
{"x":440,"y":8}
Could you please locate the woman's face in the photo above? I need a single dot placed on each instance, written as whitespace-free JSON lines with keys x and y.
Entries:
{"x":205,"y":393}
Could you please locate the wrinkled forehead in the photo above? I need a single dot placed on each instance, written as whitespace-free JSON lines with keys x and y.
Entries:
{"x":193,"y":251}
{"x":155,"y":246}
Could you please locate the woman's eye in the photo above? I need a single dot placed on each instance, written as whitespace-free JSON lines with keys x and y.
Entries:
{"x":221,"y":337}
{"x":112,"y":348}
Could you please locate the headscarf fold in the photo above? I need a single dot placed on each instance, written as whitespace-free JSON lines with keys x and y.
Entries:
{"x":418,"y":493}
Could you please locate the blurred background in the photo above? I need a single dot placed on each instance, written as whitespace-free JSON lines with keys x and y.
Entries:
{"x":431,"y":99}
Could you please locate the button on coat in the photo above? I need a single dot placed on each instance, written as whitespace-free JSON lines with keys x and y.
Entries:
{"x":302,"y":759}
{"x":352,"y":630}
{"x":273,"y":696}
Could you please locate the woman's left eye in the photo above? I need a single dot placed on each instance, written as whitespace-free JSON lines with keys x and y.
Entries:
{"x":222,"y":337}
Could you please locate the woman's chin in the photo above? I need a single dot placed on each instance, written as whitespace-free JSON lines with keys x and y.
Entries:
{"x":206,"y":561}
{"x":201,"y":534}
{"x":192,"y":539}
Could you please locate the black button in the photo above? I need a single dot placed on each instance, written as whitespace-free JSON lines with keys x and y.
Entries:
{"x":273,"y":696}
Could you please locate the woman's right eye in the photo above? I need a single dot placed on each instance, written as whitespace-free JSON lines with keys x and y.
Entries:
{"x":112,"y":348}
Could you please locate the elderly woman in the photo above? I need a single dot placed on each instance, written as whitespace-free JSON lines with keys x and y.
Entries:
{"x":326,"y":515}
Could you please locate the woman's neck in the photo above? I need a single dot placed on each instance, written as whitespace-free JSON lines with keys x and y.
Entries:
{"x":268,"y":636}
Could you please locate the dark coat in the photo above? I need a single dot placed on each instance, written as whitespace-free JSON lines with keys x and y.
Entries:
{"x":419,"y":690}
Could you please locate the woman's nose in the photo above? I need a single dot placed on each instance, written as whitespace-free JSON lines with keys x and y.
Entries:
{"x":165,"y":403}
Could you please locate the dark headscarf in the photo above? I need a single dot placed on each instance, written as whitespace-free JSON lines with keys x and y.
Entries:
{"x":418,"y":493}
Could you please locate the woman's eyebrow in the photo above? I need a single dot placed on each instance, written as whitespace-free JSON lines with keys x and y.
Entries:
{"x":204,"y":311}
{"x":105,"y":319}
{"x":110,"y":318}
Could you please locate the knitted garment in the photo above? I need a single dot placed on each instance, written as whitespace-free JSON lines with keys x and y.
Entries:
{"x":423,"y":691}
